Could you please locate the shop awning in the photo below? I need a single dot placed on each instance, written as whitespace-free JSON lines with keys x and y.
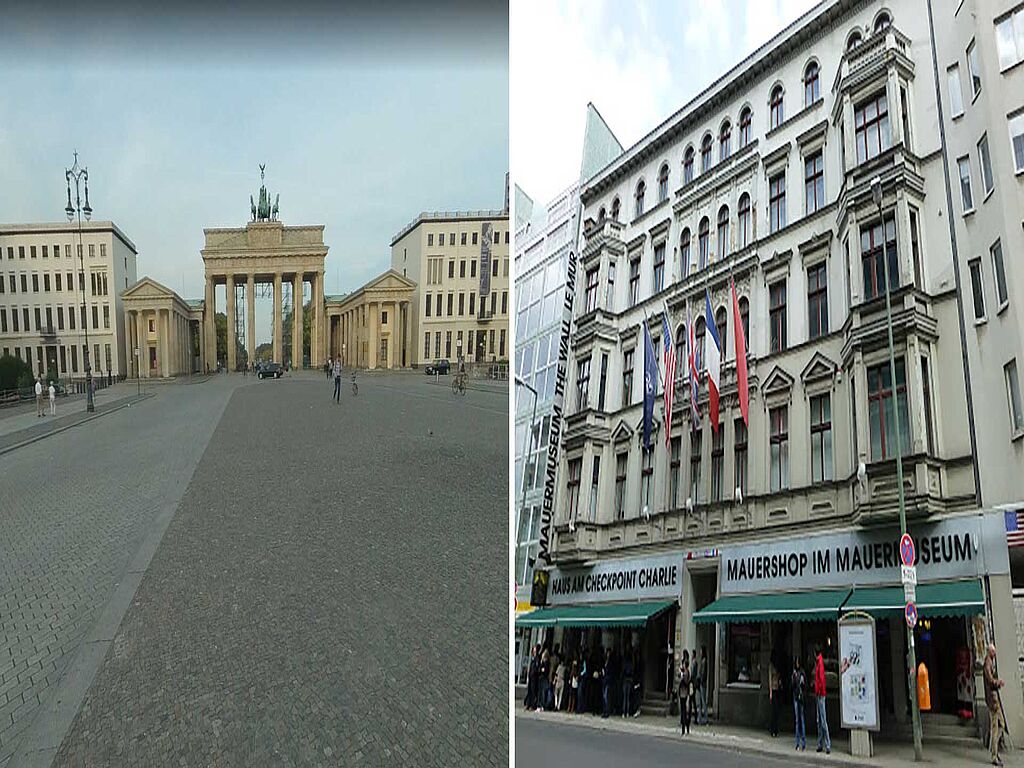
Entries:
{"x":785,"y":606}
{"x":609,"y":615}
{"x":951,"y":598}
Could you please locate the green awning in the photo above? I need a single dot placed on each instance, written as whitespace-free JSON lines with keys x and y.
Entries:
{"x":607,"y":615}
{"x":951,"y":598}
{"x":814,"y":605}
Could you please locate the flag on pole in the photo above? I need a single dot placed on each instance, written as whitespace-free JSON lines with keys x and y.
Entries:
{"x":650,"y":384}
{"x":670,"y":373}
{"x":741,"y":356}
{"x":713,"y":353}
{"x":693,"y":356}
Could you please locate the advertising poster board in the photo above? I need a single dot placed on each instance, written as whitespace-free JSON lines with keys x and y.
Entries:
{"x":858,"y":681}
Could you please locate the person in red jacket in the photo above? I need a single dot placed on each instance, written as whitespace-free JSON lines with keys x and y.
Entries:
{"x":819,"y":695}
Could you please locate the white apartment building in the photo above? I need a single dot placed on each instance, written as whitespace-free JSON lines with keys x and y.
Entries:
{"x":44,"y":283}
{"x":766,"y":178}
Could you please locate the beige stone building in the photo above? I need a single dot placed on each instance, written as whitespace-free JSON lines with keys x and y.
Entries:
{"x":160,"y":331}
{"x":371,"y":327}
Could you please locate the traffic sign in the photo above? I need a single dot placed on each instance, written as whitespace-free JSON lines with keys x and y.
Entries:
{"x":910,"y":613}
{"x":910,"y":593}
{"x":908,"y":574}
{"x":907,"y":551}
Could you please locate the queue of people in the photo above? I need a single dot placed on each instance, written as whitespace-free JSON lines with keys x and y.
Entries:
{"x":601,"y":681}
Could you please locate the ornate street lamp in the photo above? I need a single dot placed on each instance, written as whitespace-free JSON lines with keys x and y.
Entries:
{"x":81,"y":175}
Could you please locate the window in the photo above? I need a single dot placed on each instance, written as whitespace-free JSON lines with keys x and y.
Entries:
{"x":976,"y":289}
{"x":634,"y":281}
{"x":956,"y":96}
{"x":776,"y":112}
{"x":974,"y":68}
{"x":717,"y":462}
{"x":1010,"y":39}
{"x":777,"y":315}
{"x":915,"y":248}
{"x":595,"y":475}
{"x":740,"y":454}
{"x":659,"y":267}
{"x":688,"y":165}
{"x":430,"y":239}
{"x":627,"y":377}
{"x":880,"y":411}
{"x":745,"y":127}
{"x":646,"y":479}
{"x":57,"y":278}
{"x":35,"y":284}
{"x":621,"y":464}
{"x":582,"y":383}
{"x":871,"y":254}
{"x":745,"y":319}
{"x":39,"y":324}
{"x":475,"y":234}
{"x":999,"y":271}
{"x":703,"y":232}
{"x":106,"y":316}
{"x":684,"y":252}
{"x":603,"y":385}
{"x":21,"y":251}
{"x":451,"y":269}
{"x":744,"y":220}
{"x":674,"y":470}
{"x":926,"y":393}
{"x":462,"y":268}
{"x":663,"y":183}
{"x":451,"y":301}
{"x":777,"y":202}
{"x":871,"y":122}
{"x":573,"y":497}
{"x":615,"y":209}
{"x":705,"y":153}
{"x":817,"y":300}
{"x":694,"y":464}
{"x":853,"y":41}
{"x":426,"y":345}
{"x":812,"y":89}
{"x":462,"y":303}
{"x":610,"y":298}
{"x":1013,"y":396}
{"x":1016,"y":125}
{"x":722,"y":236}
{"x":743,"y":644}
{"x":721,"y":325}
{"x":591,"y":296}
{"x":699,"y":327}
{"x":966,"y":198}
{"x":882,"y":22}
{"x":448,"y":344}
{"x":986,"y":165}
{"x":451,"y":238}
{"x":779,"y":447}
{"x":821,"y":438}
{"x":724,"y":141}
{"x":92,"y":254}
{"x":437,"y":343}
{"x":814,"y":182}
{"x":640,"y":189}
{"x":494,"y":267}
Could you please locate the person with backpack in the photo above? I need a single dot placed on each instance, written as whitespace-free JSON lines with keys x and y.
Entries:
{"x":684,"y":693}
{"x":799,"y":685}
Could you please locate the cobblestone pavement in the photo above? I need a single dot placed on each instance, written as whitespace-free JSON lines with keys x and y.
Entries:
{"x":332,"y":590}
{"x":73,"y":507}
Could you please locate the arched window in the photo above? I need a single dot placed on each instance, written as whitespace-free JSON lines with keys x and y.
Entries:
{"x":812,"y":89}
{"x":688,"y":165}
{"x":720,"y":326}
{"x":681,"y":366}
{"x":702,"y":242}
{"x":745,"y":132}
{"x":883,"y":21}
{"x":705,"y":154}
{"x":684,"y":252}
{"x":725,"y":140}
{"x":601,"y":215}
{"x":615,"y":209}
{"x":663,"y":183}
{"x":722,"y":240}
{"x":698,"y":341}
{"x":745,"y":319}
{"x":640,"y":189}
{"x":853,"y":41}
{"x":744,"y":220}
{"x":777,"y":115}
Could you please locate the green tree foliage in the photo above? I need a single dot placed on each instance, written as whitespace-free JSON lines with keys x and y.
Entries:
{"x":14,"y":372}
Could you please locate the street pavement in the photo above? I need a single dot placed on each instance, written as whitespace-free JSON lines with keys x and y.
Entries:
{"x":331,"y":588}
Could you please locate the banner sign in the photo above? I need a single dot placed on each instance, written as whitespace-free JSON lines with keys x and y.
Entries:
{"x":647,"y":578}
{"x":957,"y":547}
{"x":485,"y":263}
{"x":858,"y":680}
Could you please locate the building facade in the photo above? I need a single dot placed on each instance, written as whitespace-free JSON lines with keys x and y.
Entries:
{"x":460,"y":263}
{"x":766,"y":179}
{"x":43,"y":287}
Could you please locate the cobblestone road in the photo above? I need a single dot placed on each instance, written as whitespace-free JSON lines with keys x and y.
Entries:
{"x":331,"y":591}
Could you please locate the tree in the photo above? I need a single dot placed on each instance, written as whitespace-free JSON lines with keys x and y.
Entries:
{"x":14,"y":373}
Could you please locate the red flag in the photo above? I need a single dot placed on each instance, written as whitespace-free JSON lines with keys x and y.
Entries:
{"x":741,"y":357}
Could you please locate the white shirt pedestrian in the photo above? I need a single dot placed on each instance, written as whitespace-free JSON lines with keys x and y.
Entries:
{"x":39,"y":397}
{"x":53,"y":400}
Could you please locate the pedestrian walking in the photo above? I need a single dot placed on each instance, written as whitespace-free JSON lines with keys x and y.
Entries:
{"x":545,"y":679}
{"x":607,"y":681}
{"x":574,"y":684}
{"x":532,"y":673}
{"x":328,"y":367}
{"x":53,"y":400}
{"x":702,"y":694}
{"x":684,"y":693}
{"x":798,"y":683}
{"x":775,"y":698}
{"x":627,"y":685}
{"x":819,"y":694}
{"x":39,"y":396}
{"x":559,"y":684}
{"x":581,"y":695}
{"x":337,"y":380}
{"x":997,"y":721}
{"x":694,"y":684}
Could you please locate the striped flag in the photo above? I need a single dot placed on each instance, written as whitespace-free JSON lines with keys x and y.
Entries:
{"x":713,"y":354}
{"x":1014,"y":520}
{"x":694,"y":361}
{"x":670,"y":373}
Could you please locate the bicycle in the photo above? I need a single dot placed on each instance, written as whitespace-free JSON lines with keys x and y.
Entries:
{"x":355,"y":387}
{"x":459,"y":384}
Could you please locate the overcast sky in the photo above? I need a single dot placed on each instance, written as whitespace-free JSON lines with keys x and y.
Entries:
{"x":637,"y":62}
{"x":362,"y":120}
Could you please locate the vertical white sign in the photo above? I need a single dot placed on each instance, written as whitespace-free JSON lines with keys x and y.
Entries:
{"x":858,"y":680}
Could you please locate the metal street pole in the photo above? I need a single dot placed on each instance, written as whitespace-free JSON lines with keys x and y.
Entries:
{"x":78,"y":174}
{"x":529,"y":451}
{"x":876,"y":194}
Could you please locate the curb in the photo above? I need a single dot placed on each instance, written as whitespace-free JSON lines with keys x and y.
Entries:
{"x":58,"y":430}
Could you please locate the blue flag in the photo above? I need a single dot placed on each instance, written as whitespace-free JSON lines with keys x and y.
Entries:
{"x":650,"y":385}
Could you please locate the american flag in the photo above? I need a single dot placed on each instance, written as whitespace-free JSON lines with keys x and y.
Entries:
{"x":670,"y":374}
{"x":1014,"y":527}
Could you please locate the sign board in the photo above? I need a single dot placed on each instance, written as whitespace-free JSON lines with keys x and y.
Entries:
{"x":908,"y":574}
{"x":539,"y":591}
{"x":647,"y":578}
{"x":968,"y":546}
{"x":858,"y":684}
{"x":907,"y":552}
{"x":485,"y":262}
{"x":910,"y":593}
{"x":910,"y":613}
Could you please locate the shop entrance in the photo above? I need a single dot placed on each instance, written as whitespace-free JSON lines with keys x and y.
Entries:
{"x":705,"y":588}
{"x":942,"y":645}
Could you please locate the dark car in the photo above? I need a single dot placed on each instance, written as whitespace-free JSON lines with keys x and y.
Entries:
{"x":440,"y":366}
{"x":270,"y":371}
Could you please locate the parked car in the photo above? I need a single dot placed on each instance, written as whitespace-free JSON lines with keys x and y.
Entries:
{"x":441,"y":366}
{"x":270,"y":371}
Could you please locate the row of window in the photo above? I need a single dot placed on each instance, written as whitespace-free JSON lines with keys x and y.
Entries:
{"x":33,"y":251}
{"x":462,"y":239}
{"x":65,"y":355}
{"x":480,"y":343}
{"x":977,"y":283}
{"x":431,"y":309}
{"x":98,"y":282}
{"x":435,"y":266}
{"x":44,"y":319}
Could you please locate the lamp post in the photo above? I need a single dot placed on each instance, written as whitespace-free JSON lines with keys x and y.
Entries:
{"x":79,"y":174}
{"x":138,"y":374}
{"x":876,"y":196}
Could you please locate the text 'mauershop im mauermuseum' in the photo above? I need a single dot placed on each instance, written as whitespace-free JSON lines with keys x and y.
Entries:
{"x":865,"y":139}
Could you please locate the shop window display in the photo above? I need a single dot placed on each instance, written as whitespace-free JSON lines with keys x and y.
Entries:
{"x":744,"y":643}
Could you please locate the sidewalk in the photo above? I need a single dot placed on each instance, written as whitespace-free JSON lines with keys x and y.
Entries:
{"x":756,"y":741}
